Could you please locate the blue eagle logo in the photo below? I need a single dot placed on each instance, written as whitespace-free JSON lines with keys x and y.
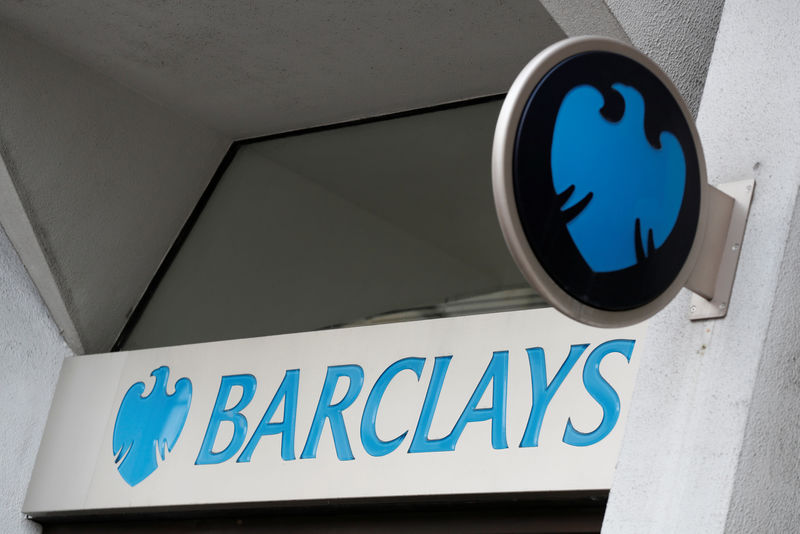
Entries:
{"x":148,"y":426}
{"x":622,"y":195}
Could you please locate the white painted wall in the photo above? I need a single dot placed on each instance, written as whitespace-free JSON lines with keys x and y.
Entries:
{"x":106,"y":176}
{"x":31,"y":353}
{"x":713,"y":441}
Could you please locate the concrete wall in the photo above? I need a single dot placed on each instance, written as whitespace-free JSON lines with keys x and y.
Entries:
{"x":676,"y":34}
{"x":711,"y":444}
{"x":763,"y":40}
{"x":256,"y":68}
{"x":106,"y":177}
{"x":31,"y":352}
{"x":585,"y":17}
{"x":766,"y":493}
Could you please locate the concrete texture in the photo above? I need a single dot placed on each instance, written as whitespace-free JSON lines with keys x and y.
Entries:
{"x":31,"y":353}
{"x":710,"y":444}
{"x":676,"y":34}
{"x":20,"y":231}
{"x":256,"y":68}
{"x":585,"y":17}
{"x":766,"y":493}
{"x":106,"y":178}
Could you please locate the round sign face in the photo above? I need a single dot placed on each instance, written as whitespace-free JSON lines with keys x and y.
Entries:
{"x":598,"y":179}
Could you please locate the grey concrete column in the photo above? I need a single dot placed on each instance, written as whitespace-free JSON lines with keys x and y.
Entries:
{"x":713,"y":439}
{"x":31,"y":353}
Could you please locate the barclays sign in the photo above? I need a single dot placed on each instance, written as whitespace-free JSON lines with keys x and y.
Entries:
{"x":149,"y":425}
{"x":519,"y":401}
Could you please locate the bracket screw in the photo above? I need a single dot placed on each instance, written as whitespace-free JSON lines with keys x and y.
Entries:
{"x":722,"y":306}
{"x":692,"y":308}
{"x":735,"y":246}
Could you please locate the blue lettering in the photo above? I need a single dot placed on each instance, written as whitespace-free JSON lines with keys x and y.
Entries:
{"x":601,"y":391}
{"x":287,"y":392}
{"x":542,"y":392}
{"x":497,"y":374}
{"x":333,"y":412}
{"x":369,"y":436}
{"x":420,"y":442}
{"x":219,"y":414}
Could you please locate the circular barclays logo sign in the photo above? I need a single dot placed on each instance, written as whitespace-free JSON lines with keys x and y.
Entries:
{"x":598,"y":181}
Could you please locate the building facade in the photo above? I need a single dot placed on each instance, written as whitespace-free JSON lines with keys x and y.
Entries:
{"x":122,"y":125}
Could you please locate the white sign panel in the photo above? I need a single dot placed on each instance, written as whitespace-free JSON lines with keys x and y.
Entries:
{"x":512,"y":402}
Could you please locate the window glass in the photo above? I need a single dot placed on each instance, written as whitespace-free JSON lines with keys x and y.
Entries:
{"x":373,"y":222}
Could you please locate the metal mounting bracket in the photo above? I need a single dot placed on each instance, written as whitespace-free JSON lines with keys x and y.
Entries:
{"x":712,"y":277}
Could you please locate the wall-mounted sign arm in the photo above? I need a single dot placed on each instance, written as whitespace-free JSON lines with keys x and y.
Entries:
{"x":711,"y":279}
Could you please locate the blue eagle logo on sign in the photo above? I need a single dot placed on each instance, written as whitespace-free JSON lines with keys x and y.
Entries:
{"x":622,"y":193}
{"x":148,"y":426}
